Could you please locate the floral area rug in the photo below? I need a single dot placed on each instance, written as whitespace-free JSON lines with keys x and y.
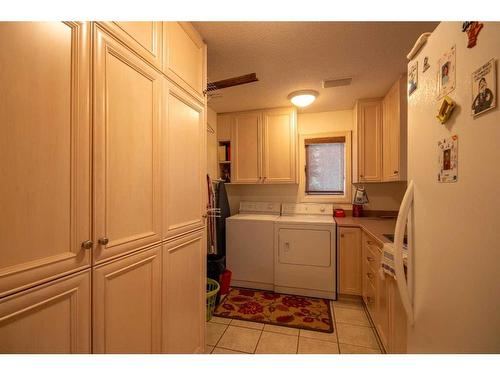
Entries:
{"x":274,"y":308}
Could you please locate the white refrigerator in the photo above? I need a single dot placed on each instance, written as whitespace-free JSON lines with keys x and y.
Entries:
{"x":452,"y":288}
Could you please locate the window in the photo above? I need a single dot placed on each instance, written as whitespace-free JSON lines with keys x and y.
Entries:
{"x":325,"y":166}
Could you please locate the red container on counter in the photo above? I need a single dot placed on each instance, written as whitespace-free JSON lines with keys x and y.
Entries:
{"x":357,"y":210}
{"x":339,"y":212}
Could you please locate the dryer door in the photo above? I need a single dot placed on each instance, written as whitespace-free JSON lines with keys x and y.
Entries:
{"x":305,"y":247}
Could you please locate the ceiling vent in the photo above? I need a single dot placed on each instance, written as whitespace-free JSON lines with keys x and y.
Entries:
{"x":327,"y":83}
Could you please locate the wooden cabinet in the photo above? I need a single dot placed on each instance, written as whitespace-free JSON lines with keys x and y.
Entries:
{"x":350,"y":261}
{"x":127,"y":304}
{"x":246,"y":145}
{"x":224,"y":127}
{"x":51,"y":318}
{"x":394,"y":133}
{"x":144,"y":38}
{"x":264,"y":146}
{"x":184,"y":57}
{"x":126,"y":150}
{"x":184,"y":284}
{"x":369,"y":135}
{"x":44,"y":152}
{"x":382,"y":299}
{"x":184,"y":163}
{"x":279,"y":146}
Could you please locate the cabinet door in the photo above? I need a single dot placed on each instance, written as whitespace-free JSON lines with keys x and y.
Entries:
{"x":44,"y":151}
{"x":184,"y":300}
{"x":246,"y":166}
{"x":394,"y":133}
{"x":224,"y":127}
{"x":184,"y":166}
{"x":370,"y":141}
{"x":397,"y":320}
{"x":145,"y":38}
{"x":184,"y":57}
{"x":126,"y":145}
{"x":382,"y":320}
{"x":279,"y":146}
{"x":127,"y":304}
{"x":350,"y":261}
{"x":51,"y":318}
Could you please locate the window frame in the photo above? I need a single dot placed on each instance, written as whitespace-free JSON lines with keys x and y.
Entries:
{"x":319,"y":197}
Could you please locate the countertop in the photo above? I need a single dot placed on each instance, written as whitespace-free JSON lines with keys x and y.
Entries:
{"x":375,"y":226}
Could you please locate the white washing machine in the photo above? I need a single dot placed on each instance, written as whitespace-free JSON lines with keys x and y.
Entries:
{"x":305,"y":250}
{"x":250,"y":244}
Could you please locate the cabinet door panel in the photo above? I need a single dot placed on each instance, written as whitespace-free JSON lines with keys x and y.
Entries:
{"x":44,"y":151}
{"x":127,"y":128}
{"x":51,"y":318}
{"x":145,"y":38}
{"x":184,"y":166}
{"x":127,"y":304}
{"x":184,"y":295}
{"x":350,"y":261}
{"x":370,"y":141}
{"x":279,"y":148}
{"x":246,"y":165}
{"x":184,"y":59}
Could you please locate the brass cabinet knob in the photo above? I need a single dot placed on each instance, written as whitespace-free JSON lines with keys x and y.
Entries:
{"x":396,"y":172}
{"x":103,"y":241}
{"x":87,"y":244}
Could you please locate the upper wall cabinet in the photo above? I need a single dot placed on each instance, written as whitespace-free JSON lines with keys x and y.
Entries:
{"x":144,"y":38}
{"x":127,"y":150}
{"x":263,"y":145}
{"x":184,"y":57}
{"x":246,"y":141}
{"x":184,"y":163}
{"x":224,"y":127}
{"x":394,"y":132}
{"x":44,"y":151}
{"x":279,"y":148}
{"x":369,"y":132}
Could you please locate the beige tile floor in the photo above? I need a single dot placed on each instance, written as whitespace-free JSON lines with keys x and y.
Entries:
{"x":353,"y":334}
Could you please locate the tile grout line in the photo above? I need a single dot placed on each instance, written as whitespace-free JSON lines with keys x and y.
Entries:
{"x":335,"y":328}
{"x":225,"y":329}
{"x":262,"y":330}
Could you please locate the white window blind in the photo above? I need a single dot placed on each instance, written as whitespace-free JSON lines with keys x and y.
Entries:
{"x":325,"y":165}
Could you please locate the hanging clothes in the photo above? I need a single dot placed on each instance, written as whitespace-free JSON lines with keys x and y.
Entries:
{"x":225,"y":211}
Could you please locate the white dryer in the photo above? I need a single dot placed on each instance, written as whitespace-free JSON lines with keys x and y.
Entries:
{"x":305,"y":250}
{"x":250,"y":244}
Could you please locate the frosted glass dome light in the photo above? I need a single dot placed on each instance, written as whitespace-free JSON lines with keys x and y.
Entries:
{"x":303,"y":98}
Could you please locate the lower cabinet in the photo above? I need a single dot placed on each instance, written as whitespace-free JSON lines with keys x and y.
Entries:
{"x":350,"y":261}
{"x":51,"y":318}
{"x":382,"y":299}
{"x":127,"y":304}
{"x":183,"y":300}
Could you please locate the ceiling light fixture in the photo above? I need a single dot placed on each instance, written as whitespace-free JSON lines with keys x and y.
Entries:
{"x":303,"y":98}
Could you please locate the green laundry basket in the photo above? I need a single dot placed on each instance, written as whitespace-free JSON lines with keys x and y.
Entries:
{"x":212,"y":290}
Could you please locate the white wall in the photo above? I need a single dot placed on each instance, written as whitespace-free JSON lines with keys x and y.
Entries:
{"x":382,"y":196}
{"x":212,"y":167}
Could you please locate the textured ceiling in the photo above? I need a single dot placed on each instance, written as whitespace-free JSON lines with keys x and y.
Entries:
{"x":289,"y":56}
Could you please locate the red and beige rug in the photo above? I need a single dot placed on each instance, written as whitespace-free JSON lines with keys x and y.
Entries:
{"x":274,"y":308}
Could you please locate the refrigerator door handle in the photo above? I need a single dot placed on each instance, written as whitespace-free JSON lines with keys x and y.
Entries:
{"x":399,"y":232}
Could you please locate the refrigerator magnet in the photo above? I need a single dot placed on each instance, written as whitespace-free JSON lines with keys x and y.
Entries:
{"x":448,"y":159}
{"x":412,"y":77}
{"x":446,"y":73}
{"x":472,"y":29}
{"x":445,"y":109}
{"x":426,"y":64}
{"x":484,"y":88}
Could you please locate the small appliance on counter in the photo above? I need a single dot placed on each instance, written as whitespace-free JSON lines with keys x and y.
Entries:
{"x":359,"y":199}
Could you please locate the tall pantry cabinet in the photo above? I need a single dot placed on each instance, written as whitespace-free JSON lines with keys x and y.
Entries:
{"x":105,"y":178}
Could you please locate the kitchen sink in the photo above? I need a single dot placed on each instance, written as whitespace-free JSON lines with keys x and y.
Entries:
{"x":390,"y":237}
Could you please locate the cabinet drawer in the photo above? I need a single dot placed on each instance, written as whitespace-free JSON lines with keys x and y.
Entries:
{"x":369,"y":297}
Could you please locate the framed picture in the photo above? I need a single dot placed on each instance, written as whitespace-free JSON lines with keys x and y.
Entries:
{"x":446,"y":73}
{"x":448,"y":159}
{"x":484,"y":88}
{"x":412,"y":77}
